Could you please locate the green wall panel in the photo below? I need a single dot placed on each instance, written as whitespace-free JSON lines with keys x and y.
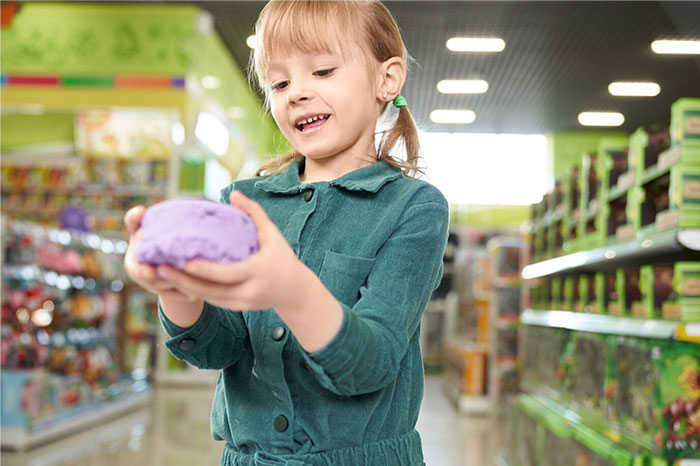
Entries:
{"x":20,"y":130}
{"x":566,"y":147}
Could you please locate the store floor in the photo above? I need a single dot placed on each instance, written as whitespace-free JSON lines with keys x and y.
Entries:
{"x":174,"y":431}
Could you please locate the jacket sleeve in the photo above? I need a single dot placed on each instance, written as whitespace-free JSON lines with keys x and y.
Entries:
{"x":216,"y":340}
{"x":366,"y":353}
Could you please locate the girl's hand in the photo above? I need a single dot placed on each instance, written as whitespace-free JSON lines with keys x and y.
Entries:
{"x":144,"y":274}
{"x":262,"y":281}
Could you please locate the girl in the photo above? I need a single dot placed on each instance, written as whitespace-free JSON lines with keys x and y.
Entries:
{"x":317,"y":334}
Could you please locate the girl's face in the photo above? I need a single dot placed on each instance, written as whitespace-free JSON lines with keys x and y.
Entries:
{"x":326,"y":105}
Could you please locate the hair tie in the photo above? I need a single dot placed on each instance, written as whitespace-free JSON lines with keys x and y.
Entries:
{"x":400,"y":101}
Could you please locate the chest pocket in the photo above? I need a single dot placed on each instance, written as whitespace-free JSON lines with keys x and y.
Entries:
{"x":344,"y":275}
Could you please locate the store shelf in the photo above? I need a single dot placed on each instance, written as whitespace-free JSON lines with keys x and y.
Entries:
{"x":500,"y":460}
{"x":667,"y":245}
{"x":15,"y":438}
{"x":613,"y":325}
{"x":468,"y":404}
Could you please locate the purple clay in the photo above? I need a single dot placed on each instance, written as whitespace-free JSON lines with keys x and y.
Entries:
{"x":179,"y":230}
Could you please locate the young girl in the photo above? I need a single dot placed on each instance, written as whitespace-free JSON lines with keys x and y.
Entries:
{"x":317,"y":334}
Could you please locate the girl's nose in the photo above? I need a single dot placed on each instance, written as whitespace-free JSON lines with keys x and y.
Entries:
{"x":297,"y":94}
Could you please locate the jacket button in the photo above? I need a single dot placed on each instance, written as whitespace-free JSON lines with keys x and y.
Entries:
{"x":186,"y":344}
{"x":281,"y":423}
{"x":308,"y":195}
{"x":278,"y":333}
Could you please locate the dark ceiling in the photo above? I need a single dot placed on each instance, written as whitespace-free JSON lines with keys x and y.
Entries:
{"x":558,"y":61}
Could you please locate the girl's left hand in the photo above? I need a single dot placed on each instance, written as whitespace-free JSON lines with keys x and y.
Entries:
{"x":262,"y":281}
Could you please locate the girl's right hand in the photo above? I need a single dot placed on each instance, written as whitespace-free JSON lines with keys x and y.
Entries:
{"x":144,"y":274}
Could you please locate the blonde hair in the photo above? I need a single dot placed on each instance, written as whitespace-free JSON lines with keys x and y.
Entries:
{"x":309,"y":26}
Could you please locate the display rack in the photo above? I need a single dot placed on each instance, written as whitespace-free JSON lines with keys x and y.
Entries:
{"x":481,"y":362}
{"x":668,"y":245}
{"x":611,"y":326}
{"x":614,"y":325}
{"x":62,"y":357}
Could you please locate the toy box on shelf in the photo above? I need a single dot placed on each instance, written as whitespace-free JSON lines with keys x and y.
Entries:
{"x":685,"y":122}
{"x":616,"y":179}
{"x":542,"y":358}
{"x":655,"y":396}
{"x":670,"y":291}
{"x":629,"y":302}
{"x":555,"y":234}
{"x":591,"y":231}
{"x":572,"y":209}
{"x":606,"y":294}
{"x":587,"y":301}
{"x":586,"y":365}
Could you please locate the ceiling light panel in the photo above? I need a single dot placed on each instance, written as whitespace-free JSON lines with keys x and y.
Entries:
{"x":632,"y":89}
{"x":476,"y":44}
{"x":462,"y":86}
{"x":690,"y":47}
{"x":453,"y":116}
{"x":601,"y":118}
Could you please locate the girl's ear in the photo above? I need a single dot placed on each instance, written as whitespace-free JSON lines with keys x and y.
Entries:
{"x":391,"y":79}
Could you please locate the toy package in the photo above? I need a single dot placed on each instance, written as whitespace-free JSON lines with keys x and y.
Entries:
{"x":606,"y":293}
{"x":629,"y":294}
{"x":646,"y":143}
{"x":632,"y":387}
{"x":678,"y":369}
{"x":685,"y":122}
{"x":587,"y":369}
{"x":586,"y":293}
{"x":571,"y":292}
{"x":686,"y":283}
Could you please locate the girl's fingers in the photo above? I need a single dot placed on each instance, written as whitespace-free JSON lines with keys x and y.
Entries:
{"x":193,"y":286}
{"x":253,"y":209}
{"x":230,"y":273}
{"x":132,"y":218}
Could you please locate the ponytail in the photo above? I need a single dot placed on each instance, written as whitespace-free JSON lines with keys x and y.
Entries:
{"x":278,"y":164}
{"x":404,"y":128}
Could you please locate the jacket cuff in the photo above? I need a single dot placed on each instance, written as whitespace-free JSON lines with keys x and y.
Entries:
{"x":340,"y":351}
{"x":185,"y":343}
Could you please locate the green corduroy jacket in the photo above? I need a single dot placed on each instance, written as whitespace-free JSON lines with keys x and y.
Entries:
{"x":376,"y":240}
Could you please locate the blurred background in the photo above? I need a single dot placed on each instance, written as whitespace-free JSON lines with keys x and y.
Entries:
{"x":565,"y":136}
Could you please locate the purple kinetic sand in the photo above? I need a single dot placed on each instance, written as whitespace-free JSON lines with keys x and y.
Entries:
{"x":179,"y":230}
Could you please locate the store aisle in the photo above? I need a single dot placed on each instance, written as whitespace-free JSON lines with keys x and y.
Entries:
{"x":174,"y":431}
{"x":451,"y":439}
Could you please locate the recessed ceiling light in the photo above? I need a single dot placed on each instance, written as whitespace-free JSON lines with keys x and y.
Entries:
{"x":634,"y":89}
{"x":476,"y":44}
{"x":462,"y":86}
{"x":601,"y":118}
{"x":676,"y":46}
{"x":211,"y":82}
{"x":252,"y":41}
{"x":453,"y":116}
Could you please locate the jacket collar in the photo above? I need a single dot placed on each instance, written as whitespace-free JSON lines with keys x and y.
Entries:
{"x":370,"y":178}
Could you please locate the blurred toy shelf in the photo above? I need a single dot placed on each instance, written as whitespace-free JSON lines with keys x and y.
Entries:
{"x":659,"y":246}
{"x":20,"y":438}
{"x":481,"y":351}
{"x":614,"y":325}
{"x":610,"y":357}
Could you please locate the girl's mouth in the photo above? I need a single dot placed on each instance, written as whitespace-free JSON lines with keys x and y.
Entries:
{"x":312,"y":123}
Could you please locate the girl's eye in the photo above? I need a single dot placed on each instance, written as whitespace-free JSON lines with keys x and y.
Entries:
{"x":325,"y":72}
{"x":280,"y":85}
